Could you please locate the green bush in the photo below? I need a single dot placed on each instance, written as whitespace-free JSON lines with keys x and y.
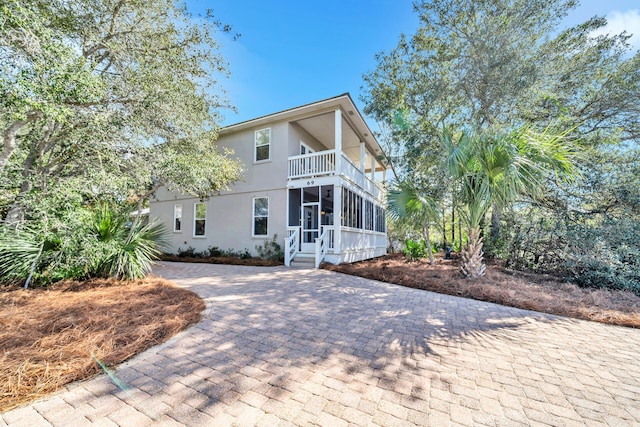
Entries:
{"x":270,"y":249}
{"x":414,"y":250}
{"x":189,"y":252}
{"x":213,"y":252}
{"x":89,"y":243}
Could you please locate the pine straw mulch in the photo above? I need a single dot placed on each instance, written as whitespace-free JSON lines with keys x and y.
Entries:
{"x":535,"y":292}
{"x":50,"y":337}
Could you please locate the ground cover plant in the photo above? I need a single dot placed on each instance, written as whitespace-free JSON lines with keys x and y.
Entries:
{"x":500,"y":285}
{"x":53,"y":336}
{"x":270,"y":255}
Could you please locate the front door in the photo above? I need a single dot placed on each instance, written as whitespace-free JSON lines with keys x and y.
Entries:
{"x":310,"y":226}
{"x":310,"y":218}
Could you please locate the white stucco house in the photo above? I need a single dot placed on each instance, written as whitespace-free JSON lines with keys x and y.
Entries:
{"x":310,"y":178}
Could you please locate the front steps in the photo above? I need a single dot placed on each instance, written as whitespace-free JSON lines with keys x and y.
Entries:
{"x":304,"y":260}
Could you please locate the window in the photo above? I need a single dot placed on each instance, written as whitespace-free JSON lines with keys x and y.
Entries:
{"x":199,"y":218}
{"x":351,"y":209}
{"x":260,"y":216}
{"x":305,"y":149}
{"x":381,"y":224}
{"x":263,"y":144}
{"x":177,"y":217}
{"x":368,"y":215}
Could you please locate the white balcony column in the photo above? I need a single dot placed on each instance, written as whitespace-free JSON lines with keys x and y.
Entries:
{"x":338,"y":140}
{"x":384,"y":175}
{"x":373,"y":168}
{"x":337,"y":219}
{"x":363,"y":154}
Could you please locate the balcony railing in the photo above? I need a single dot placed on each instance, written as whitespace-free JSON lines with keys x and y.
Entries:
{"x":323,"y":163}
{"x":313,"y":164}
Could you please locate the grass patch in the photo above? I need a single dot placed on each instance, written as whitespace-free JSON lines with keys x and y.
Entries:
{"x":49,"y":337}
{"x":536,"y":292}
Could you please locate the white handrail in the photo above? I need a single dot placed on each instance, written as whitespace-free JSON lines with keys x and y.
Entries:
{"x":321,"y":247}
{"x":291,"y":245}
{"x":312,"y":164}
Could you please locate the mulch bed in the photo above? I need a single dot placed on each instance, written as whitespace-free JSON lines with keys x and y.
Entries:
{"x":50,"y":337}
{"x":536,"y":292}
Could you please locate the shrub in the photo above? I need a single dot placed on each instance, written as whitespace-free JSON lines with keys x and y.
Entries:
{"x":189,"y":252}
{"x":91,"y":244}
{"x":270,"y":249}
{"x":213,"y":252}
{"x":415,"y":250}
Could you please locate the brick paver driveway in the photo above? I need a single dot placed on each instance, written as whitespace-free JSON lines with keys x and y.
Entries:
{"x":301,"y":347}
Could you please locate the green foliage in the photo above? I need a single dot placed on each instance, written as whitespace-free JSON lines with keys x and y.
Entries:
{"x":97,"y":245}
{"x":213,"y":252}
{"x":109,"y":100}
{"x":131,"y":258}
{"x":587,"y":233}
{"x":415,"y":250}
{"x":606,"y":256}
{"x":522,"y":99}
{"x":190,"y":252}
{"x":19,"y":250}
{"x":408,"y":204}
{"x":270,"y":249}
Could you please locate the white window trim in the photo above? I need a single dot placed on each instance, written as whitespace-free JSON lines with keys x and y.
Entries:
{"x":307,"y":147}
{"x":200,"y":236}
{"x":253,"y":217}
{"x":175,"y":206}
{"x":255,"y":146}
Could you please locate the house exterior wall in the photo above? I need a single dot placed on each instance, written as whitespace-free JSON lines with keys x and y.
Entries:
{"x":229,"y":215}
{"x":229,"y":221}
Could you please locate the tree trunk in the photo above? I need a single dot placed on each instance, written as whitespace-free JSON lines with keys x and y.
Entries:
{"x":444,"y":230}
{"x":472,"y":264}
{"x":9,"y":142}
{"x":427,"y":238}
{"x":453,"y":223}
{"x":496,"y":216}
{"x":16,"y":213}
{"x":459,"y":234}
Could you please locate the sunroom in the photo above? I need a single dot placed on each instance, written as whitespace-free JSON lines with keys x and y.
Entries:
{"x":335,"y":192}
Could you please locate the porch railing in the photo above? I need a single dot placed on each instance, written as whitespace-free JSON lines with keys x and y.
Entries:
{"x":355,"y":175}
{"x":313,"y":164}
{"x":329,"y":231}
{"x":322,"y":247}
{"x":291,"y":245}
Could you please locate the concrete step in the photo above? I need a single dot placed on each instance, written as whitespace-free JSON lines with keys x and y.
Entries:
{"x":303,"y":260}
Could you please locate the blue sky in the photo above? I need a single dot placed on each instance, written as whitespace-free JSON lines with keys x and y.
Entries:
{"x":295,"y":52}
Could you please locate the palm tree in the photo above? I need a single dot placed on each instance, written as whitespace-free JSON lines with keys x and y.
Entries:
{"x":495,"y":169}
{"x":407,"y":202}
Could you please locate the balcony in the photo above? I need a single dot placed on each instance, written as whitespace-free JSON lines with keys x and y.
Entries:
{"x":323,"y":163}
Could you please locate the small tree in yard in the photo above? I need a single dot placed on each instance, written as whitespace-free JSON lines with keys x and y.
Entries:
{"x":495,"y":169}
{"x":408,"y":203}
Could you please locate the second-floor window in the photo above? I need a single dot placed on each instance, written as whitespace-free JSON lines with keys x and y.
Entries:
{"x":262,"y":145}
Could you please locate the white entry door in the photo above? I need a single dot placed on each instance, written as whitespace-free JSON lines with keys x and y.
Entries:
{"x":310,"y":226}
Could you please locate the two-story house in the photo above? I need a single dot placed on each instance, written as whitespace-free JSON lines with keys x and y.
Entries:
{"x":310,"y":178}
